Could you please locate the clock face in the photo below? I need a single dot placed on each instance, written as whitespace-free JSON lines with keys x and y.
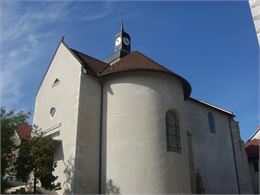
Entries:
{"x":118,"y":41}
{"x":126,"y":41}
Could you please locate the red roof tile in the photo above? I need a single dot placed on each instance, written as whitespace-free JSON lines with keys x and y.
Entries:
{"x":252,"y":148}
{"x":24,"y":131}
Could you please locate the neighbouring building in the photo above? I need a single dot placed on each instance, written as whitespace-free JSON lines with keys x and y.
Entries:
{"x":129,"y":125}
{"x":255,"y":11}
{"x":21,"y":134}
{"x":252,"y":150}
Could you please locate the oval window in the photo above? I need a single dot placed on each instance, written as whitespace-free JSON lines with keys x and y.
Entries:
{"x":52,"y":112}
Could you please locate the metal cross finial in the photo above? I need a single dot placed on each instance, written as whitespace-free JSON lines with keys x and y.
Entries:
{"x":122,"y":16}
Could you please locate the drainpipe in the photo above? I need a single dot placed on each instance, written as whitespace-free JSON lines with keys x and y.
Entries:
{"x":234,"y":155}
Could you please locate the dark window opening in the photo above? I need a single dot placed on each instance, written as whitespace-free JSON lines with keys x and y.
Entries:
{"x":56,"y":82}
{"x":52,"y":112}
{"x":173,"y":137}
{"x":211,"y":122}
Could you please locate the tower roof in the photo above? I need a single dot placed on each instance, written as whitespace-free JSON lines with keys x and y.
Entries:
{"x":122,"y":46}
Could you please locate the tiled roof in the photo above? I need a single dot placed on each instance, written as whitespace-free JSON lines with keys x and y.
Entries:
{"x":132,"y":62}
{"x":92,"y":65}
{"x":135,"y":61}
{"x":252,"y":148}
{"x":24,"y":131}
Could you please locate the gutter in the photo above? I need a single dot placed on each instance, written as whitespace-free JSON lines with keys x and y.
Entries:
{"x":234,"y":155}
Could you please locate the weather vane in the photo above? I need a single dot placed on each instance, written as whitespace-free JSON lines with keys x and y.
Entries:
{"x":122,"y":17}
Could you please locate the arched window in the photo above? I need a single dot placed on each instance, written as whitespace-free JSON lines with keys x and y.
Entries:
{"x":211,"y":122}
{"x":173,"y":137}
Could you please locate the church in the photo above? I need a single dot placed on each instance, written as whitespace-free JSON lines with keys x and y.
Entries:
{"x":129,"y":125}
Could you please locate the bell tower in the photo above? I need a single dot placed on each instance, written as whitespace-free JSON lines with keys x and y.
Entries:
{"x":123,"y":41}
{"x":122,"y":46}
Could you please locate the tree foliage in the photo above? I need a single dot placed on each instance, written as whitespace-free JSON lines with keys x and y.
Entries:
{"x":37,"y":156}
{"x":9,"y":123}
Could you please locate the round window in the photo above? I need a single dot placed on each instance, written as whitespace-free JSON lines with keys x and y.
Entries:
{"x":52,"y":112}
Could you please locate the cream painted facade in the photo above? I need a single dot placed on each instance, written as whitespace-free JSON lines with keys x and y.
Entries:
{"x":135,"y":140}
{"x":64,"y":125}
{"x":110,"y":131}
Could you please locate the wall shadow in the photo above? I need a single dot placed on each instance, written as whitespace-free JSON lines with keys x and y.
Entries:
{"x":68,"y":172}
{"x":112,"y":188}
{"x":199,"y":183}
{"x":58,"y":151}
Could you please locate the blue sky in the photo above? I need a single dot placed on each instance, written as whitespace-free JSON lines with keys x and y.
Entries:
{"x":211,"y":44}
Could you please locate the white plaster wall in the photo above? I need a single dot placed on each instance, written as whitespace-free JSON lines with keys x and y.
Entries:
{"x":212,"y":153}
{"x":134,"y":134}
{"x":257,"y":135}
{"x":243,"y":173}
{"x":64,"y":97}
{"x":88,"y":137}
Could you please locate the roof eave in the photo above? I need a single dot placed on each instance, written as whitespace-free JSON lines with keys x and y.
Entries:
{"x":186,"y":85}
{"x":212,"y":106}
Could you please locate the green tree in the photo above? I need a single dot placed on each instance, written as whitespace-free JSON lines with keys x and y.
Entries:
{"x":36,"y":156}
{"x":9,"y":123}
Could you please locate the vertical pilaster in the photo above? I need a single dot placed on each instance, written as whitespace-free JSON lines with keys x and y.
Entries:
{"x":243,"y":175}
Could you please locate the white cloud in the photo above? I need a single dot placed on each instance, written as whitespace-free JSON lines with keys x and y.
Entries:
{"x":20,"y":43}
{"x":25,"y":34}
{"x":97,"y":15}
